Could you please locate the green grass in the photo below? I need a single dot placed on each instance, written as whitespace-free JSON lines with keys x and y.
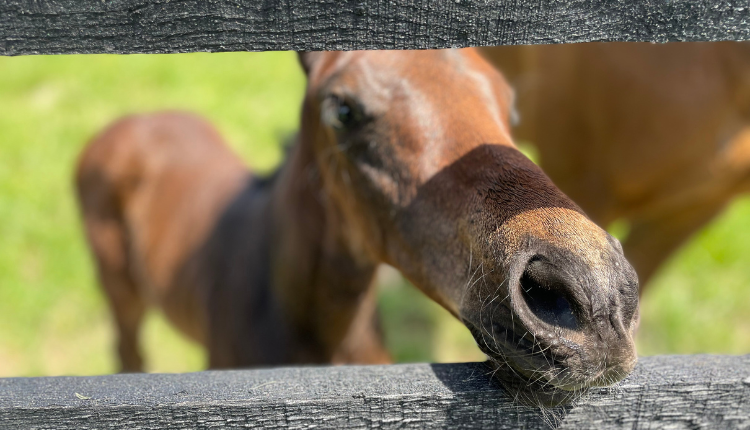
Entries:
{"x":53,"y":320}
{"x":700,"y":301}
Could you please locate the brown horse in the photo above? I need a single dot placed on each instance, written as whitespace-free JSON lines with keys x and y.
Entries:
{"x":657,"y":135}
{"x":402,"y":158}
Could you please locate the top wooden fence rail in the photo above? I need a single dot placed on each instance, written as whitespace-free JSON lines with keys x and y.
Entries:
{"x":159,"y":26}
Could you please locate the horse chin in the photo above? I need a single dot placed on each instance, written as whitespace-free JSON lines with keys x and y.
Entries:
{"x":524,"y":387}
{"x":534,"y":391}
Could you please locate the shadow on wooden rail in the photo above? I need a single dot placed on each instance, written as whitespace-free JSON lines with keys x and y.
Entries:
{"x":700,"y":391}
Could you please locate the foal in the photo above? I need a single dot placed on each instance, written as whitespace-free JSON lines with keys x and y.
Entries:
{"x":402,"y":158}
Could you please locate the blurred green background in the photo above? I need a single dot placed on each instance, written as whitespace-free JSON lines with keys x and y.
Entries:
{"x":54,"y":321}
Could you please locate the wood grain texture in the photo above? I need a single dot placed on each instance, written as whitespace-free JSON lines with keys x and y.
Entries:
{"x":677,"y":392}
{"x":153,"y":26}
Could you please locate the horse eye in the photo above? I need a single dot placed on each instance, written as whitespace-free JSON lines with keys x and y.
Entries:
{"x":345,"y":116}
{"x":341,"y":114}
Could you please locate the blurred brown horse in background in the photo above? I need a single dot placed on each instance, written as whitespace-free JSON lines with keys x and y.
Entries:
{"x":654,"y":134}
{"x":402,"y":158}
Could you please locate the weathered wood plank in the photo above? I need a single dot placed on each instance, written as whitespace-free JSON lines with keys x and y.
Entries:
{"x":666,"y":392}
{"x":151,"y":26}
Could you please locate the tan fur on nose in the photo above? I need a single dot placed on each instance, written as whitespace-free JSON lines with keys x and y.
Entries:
{"x":564,"y":228}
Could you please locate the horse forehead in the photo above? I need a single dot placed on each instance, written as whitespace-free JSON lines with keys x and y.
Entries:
{"x":444,"y":95}
{"x":447,"y":96}
{"x":432,"y":71}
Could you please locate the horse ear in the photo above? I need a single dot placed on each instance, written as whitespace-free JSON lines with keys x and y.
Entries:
{"x":308,"y":59}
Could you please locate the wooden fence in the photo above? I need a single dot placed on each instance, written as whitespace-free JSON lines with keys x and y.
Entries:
{"x":665,"y":392}
{"x":676,"y":392}
{"x":149,"y":26}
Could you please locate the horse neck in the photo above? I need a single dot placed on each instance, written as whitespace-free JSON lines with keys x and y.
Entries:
{"x":320,"y":287}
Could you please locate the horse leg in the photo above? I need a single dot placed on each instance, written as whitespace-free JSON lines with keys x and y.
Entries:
{"x":657,"y":229}
{"x":128,"y":309}
{"x":364,"y":343}
{"x":109,"y":245}
{"x":652,"y":240}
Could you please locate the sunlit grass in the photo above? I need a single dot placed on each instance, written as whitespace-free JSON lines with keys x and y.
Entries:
{"x":53,"y":319}
{"x":700,"y":302}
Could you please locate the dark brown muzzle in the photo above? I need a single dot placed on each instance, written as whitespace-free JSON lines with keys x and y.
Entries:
{"x":567,"y":319}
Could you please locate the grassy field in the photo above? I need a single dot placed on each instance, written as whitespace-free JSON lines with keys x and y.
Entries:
{"x":54,"y":321}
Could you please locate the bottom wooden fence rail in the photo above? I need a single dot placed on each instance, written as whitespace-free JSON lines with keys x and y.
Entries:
{"x":700,"y":391}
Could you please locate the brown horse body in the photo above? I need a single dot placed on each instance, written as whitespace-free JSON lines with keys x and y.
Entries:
{"x":402,"y":158}
{"x":655,"y":134}
{"x":176,"y":220}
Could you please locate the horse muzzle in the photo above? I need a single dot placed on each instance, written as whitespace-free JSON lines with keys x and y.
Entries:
{"x":564,"y":324}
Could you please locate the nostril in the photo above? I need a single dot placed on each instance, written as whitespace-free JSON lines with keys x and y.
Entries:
{"x":543,"y":289}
